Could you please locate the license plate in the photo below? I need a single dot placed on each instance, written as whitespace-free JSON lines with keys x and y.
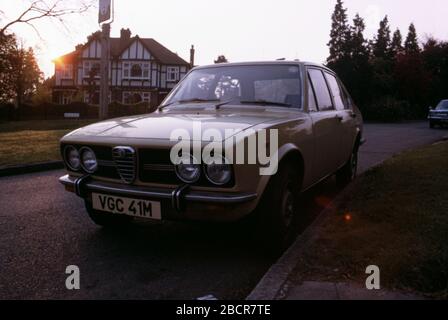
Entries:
{"x":130,"y":207}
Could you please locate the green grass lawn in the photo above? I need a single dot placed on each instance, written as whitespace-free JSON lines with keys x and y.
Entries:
{"x":33,"y":141}
{"x":396,"y":217}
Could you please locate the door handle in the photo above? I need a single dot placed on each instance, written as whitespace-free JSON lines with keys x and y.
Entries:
{"x":353,"y":114}
{"x":340,"y":118}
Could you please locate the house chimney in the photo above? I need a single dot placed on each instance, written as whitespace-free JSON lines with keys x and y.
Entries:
{"x":125,"y":34}
{"x":192,"y":51}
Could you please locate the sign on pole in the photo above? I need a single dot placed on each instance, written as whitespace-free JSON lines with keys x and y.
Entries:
{"x":105,"y":12}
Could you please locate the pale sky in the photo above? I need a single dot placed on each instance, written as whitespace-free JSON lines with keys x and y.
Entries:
{"x":242,"y":30}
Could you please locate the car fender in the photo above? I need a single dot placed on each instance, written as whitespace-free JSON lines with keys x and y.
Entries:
{"x":283,"y":152}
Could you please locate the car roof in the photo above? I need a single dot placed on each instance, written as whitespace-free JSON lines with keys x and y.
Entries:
{"x":255,"y":63}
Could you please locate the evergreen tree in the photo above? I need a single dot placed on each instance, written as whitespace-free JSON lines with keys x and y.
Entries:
{"x":411,"y":44}
{"x":358,"y":75}
{"x":381,"y":44}
{"x":27,"y":75}
{"x":358,"y":45}
{"x":339,"y":34}
{"x":397,"y":43}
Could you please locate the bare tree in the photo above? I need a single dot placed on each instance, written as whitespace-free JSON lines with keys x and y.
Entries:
{"x":42,"y":9}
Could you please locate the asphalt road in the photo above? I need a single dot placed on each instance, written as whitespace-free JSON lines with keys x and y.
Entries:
{"x":44,"y":229}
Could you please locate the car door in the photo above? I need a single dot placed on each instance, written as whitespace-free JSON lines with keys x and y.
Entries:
{"x":326,"y":126}
{"x":346,"y":117}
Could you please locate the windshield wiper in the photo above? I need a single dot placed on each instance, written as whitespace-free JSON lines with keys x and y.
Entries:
{"x":197,"y":100}
{"x":221,"y":104}
{"x":266,"y":103}
{"x":193,"y":100}
{"x":260,"y":102}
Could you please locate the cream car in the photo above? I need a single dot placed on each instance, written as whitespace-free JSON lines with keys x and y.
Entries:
{"x":123,"y":168}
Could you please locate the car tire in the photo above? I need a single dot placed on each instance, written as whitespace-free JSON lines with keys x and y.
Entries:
{"x":348,"y":172}
{"x":277,"y":211}
{"x":107,"y":220}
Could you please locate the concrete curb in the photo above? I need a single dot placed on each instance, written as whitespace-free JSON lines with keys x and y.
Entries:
{"x":30,"y":168}
{"x":275,"y":279}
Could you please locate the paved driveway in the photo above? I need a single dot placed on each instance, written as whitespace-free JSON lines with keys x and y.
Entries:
{"x":43,"y":229}
{"x":385,"y":140}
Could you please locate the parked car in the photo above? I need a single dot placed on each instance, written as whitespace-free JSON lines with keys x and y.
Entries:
{"x":123,"y":167}
{"x":439,"y":115}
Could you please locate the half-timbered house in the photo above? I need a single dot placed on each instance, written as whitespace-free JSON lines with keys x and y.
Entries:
{"x":140,"y":70}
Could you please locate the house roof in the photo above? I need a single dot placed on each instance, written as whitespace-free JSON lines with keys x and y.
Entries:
{"x":118,"y":45}
{"x":66,"y":57}
{"x":160,"y":52}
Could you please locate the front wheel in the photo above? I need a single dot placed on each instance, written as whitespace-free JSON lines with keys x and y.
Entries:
{"x":278,"y":208}
{"x":348,"y":172}
{"x":107,"y":220}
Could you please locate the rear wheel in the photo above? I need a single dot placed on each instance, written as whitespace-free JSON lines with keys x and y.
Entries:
{"x":277,"y":211}
{"x":107,"y":219}
{"x":348,"y":172}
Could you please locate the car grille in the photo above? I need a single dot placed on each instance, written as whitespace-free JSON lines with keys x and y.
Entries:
{"x":154,"y":166}
{"x":125,"y":163}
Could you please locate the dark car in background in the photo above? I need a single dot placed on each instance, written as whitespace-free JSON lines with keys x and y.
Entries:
{"x":439,"y":115}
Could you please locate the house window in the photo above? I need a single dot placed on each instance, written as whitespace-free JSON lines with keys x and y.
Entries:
{"x":172,"y":74}
{"x":136,"y":70}
{"x":67,"y":97}
{"x":67,"y":70}
{"x":130,"y":97}
{"x":92,"y":69}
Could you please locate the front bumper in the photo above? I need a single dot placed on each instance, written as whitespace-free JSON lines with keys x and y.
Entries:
{"x":180,"y":203}
{"x":438,"y":119}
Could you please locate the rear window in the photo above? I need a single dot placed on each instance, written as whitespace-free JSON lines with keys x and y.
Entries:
{"x":336,"y":91}
{"x":323,"y":97}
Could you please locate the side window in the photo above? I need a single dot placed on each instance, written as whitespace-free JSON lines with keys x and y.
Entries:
{"x":321,"y":89}
{"x":336,"y":91}
{"x":312,"y":105}
{"x":347,"y":98}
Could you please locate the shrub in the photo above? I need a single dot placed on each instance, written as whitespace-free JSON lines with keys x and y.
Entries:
{"x":389,"y":109}
{"x":52,"y":111}
{"x":6,"y":111}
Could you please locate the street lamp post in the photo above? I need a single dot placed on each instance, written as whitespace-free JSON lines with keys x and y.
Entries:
{"x":104,"y":79}
{"x":105,"y":18}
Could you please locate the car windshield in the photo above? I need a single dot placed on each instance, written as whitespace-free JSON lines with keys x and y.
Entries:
{"x":443,"y":105}
{"x":266,"y":85}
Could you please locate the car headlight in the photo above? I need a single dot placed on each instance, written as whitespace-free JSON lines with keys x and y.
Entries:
{"x":72,"y":158}
{"x":88,"y":160}
{"x":219,"y":174}
{"x":187,"y":170}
